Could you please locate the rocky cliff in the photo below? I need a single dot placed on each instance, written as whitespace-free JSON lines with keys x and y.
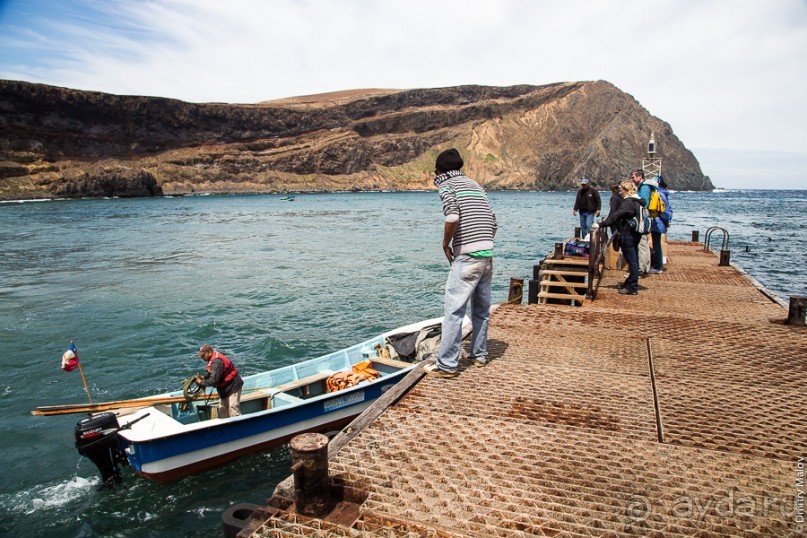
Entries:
{"x":57,"y":142}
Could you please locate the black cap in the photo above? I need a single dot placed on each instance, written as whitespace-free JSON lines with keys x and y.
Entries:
{"x":448,"y":160}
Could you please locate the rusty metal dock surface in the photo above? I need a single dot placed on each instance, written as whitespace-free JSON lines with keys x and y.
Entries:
{"x":677,"y":412}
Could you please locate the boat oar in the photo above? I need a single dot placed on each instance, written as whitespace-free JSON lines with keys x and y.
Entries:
{"x":104,"y":406}
{"x":66,"y":409}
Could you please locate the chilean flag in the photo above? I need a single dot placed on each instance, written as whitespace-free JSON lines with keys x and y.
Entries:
{"x":70,"y":358}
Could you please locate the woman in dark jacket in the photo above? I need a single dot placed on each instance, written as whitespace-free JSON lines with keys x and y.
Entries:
{"x":628,"y":239}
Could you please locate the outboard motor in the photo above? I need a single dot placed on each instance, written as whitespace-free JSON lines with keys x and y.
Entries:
{"x":97,"y":439}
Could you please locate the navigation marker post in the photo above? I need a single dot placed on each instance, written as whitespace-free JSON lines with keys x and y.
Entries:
{"x":652,"y":164}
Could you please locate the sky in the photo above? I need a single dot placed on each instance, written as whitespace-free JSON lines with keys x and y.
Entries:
{"x":729,"y":76}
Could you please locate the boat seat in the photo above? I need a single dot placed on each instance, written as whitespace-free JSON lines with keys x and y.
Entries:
{"x":299,"y":383}
{"x":212,"y":403}
{"x":390,"y":362}
{"x":281,"y":398}
{"x":255,"y":395}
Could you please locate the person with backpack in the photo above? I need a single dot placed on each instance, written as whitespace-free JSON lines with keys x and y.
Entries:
{"x":644,"y":188}
{"x":659,"y":228}
{"x":625,"y":218}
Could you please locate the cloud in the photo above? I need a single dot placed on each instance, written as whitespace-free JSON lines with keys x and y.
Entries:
{"x":724,"y":73}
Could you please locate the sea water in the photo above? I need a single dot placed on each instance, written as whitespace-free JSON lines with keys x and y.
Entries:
{"x":139,"y":284}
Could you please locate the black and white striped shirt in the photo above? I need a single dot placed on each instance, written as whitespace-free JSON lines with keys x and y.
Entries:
{"x":465,"y":202}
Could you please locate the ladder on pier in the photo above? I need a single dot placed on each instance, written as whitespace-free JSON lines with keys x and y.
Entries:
{"x":564,"y":281}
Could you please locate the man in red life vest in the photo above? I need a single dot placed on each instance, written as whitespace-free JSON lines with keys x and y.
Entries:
{"x":222,"y":374}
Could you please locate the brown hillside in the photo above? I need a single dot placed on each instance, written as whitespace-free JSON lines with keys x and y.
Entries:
{"x":59,"y":142}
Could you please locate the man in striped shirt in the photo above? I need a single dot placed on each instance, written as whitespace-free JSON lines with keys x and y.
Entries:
{"x":468,"y":245}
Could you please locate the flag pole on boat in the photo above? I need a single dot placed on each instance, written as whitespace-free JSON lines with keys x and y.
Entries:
{"x":70,"y":362}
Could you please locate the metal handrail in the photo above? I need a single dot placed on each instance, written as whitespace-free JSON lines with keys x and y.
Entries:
{"x":708,"y":237}
{"x":596,"y":260}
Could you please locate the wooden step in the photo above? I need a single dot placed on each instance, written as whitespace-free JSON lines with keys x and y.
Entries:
{"x":562,"y":296}
{"x":559,"y":272}
{"x":567,"y":261}
{"x":558,"y":284}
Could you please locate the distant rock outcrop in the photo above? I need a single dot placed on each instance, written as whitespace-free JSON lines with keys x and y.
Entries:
{"x":57,"y":142}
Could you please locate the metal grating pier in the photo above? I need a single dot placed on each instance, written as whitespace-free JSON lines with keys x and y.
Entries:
{"x":618,"y":418}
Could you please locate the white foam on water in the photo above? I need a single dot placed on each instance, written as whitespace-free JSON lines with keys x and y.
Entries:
{"x":141,"y":516}
{"x":49,"y":497}
{"x":25,"y":201}
{"x":201,"y":511}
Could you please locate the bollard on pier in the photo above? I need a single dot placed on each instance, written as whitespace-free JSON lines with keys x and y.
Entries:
{"x":312,"y":491}
{"x":796,"y":310}
{"x":516,"y":294}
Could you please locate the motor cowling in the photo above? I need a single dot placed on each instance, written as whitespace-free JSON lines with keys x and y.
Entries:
{"x":97,"y":439}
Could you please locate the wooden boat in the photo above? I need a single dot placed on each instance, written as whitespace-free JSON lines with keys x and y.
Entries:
{"x":165,"y":437}
{"x":289,"y":198}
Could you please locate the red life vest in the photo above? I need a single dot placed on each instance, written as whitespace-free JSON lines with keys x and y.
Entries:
{"x":229,"y":371}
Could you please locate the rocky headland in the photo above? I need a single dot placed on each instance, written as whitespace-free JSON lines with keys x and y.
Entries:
{"x":58,"y":142}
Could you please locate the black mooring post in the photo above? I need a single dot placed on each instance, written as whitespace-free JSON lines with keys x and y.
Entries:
{"x":725,"y":258}
{"x":532,"y":293}
{"x":796,"y":311}
{"x":577,"y":231}
{"x":312,"y":490}
{"x":696,"y":236}
{"x":558,"y":254}
{"x":536,"y":271}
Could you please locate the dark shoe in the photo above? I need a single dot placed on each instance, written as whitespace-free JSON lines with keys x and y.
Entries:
{"x":478,"y":362}
{"x":433,"y":369}
{"x":626,"y":291}
{"x":620,"y":286}
{"x":642,"y":274}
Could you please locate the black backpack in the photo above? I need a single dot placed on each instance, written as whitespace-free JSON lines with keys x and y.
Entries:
{"x":641,"y":222}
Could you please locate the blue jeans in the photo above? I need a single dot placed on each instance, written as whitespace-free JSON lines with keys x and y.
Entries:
{"x":469,"y":280}
{"x":630,"y":251}
{"x":586,"y":220}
